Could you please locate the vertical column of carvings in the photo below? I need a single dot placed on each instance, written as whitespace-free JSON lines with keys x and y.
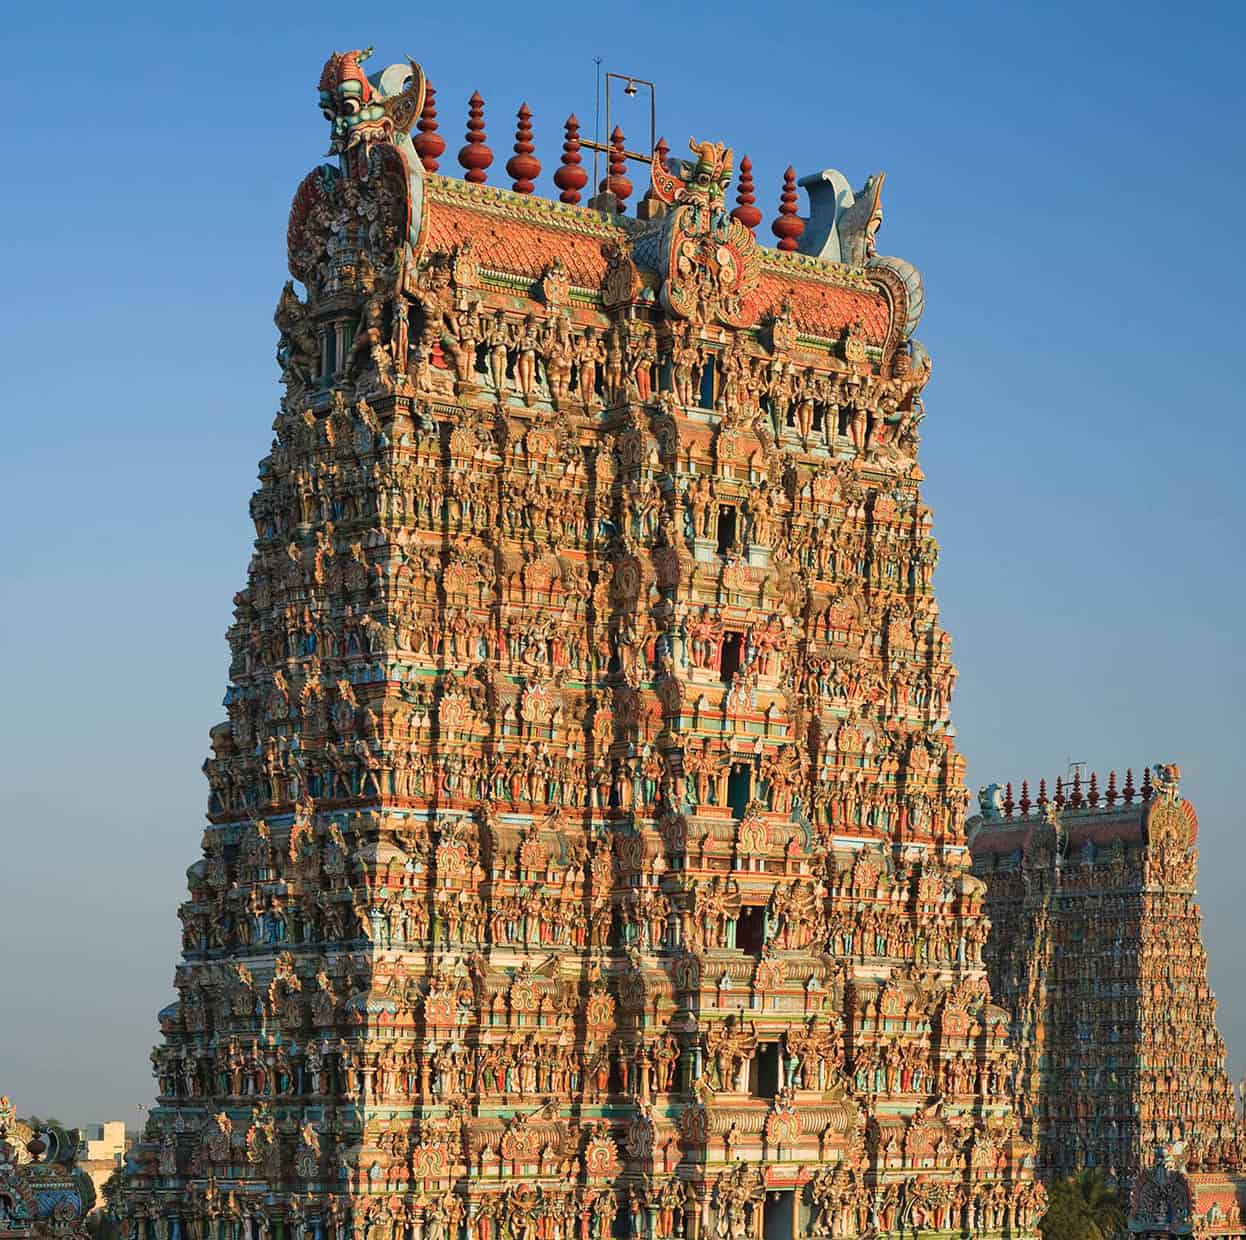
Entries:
{"x":1183,"y":1091}
{"x":785,"y":770}
{"x":549,"y":866}
{"x":1020,"y":956}
{"x":313,"y":912}
{"x":655,"y":1048}
{"x":542,"y":1071}
{"x":432,"y":868}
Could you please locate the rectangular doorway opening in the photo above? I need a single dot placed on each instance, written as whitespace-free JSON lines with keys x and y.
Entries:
{"x":778,"y":1216}
{"x":328,"y":363}
{"x":739,"y":790}
{"x":726,"y":528}
{"x":707,"y":383}
{"x":764,"y":1073}
{"x":750,"y":931}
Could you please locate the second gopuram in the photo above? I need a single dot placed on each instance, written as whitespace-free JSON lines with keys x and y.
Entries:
{"x":1096,"y":950}
{"x":585,"y":849}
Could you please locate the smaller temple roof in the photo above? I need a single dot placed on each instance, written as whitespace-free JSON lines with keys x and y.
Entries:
{"x":1083,"y":814}
{"x":42,"y":1192}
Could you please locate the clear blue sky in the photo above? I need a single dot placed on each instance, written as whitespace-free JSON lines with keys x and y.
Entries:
{"x":1069,"y":177}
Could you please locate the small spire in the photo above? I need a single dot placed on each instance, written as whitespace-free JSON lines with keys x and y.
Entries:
{"x":570,"y":177}
{"x":1042,"y":793}
{"x":652,"y":207}
{"x":661,"y":150}
{"x":523,"y":167}
{"x":1025,"y":802}
{"x":476,"y":156}
{"x":1075,"y":801}
{"x":430,"y":145}
{"x":1146,"y":783}
{"x":1009,"y":803}
{"x":1129,"y":786}
{"x":788,"y":226}
{"x":1111,"y":795}
{"x":746,"y":212}
{"x":1059,"y":792}
{"x":1092,"y":797}
{"x":616,"y":181}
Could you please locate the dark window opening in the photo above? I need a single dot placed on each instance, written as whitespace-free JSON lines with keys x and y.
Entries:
{"x":750,"y":930}
{"x":707,"y":384}
{"x":843,"y":422}
{"x":763,"y":1073}
{"x":729,"y":662}
{"x":817,"y":418}
{"x":739,"y":790}
{"x":726,"y":528}
{"x":777,"y":1216}
{"x":330,"y":351}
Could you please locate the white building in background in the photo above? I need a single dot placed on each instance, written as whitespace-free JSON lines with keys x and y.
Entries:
{"x":101,"y":1152}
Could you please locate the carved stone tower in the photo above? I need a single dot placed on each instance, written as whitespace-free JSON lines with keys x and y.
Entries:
{"x":1096,"y":949}
{"x":585,"y":851}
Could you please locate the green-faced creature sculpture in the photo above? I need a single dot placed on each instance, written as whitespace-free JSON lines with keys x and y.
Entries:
{"x":364,"y":111}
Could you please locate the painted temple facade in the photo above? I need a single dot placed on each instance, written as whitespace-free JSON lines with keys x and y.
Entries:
{"x":585,"y":851}
{"x":44,"y":1194}
{"x":1096,"y":951}
{"x":1172,"y":1200}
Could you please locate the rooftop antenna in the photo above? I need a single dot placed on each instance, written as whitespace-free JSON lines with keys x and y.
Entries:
{"x":595,"y":144}
{"x":631,"y":88}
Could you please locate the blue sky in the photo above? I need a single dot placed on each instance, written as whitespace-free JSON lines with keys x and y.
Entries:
{"x":1068,"y":178}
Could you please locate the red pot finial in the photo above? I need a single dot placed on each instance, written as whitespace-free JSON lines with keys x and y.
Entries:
{"x":616,"y":181}
{"x":430,"y":145}
{"x":1059,"y":792}
{"x":570,"y":177}
{"x":476,"y":156}
{"x":1129,"y":786}
{"x":788,"y":226}
{"x":1042,"y":793}
{"x":1075,"y":801}
{"x":523,"y":166}
{"x":1009,"y":803}
{"x":1025,"y":802}
{"x":748,"y":214}
{"x":1092,"y":796}
{"x":1111,"y":795}
{"x":1146,"y":783}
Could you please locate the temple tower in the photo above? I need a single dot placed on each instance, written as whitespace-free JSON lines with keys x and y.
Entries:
{"x":1096,"y":950}
{"x":585,"y":851}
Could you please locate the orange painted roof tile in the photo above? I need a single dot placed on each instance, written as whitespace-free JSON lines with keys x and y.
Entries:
{"x":517,"y":247}
{"x":522,"y":236}
{"x":822,"y":308}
